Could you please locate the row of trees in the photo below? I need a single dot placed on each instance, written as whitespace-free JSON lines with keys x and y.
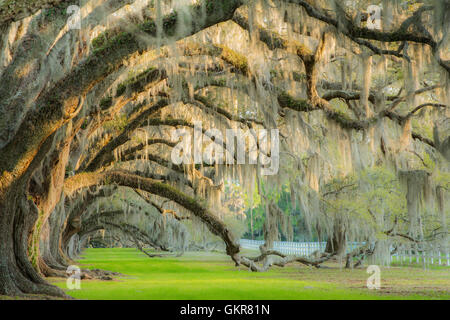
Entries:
{"x":88,"y":113}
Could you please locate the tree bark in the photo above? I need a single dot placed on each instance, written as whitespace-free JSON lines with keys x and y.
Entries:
{"x":337,"y":242}
{"x":17,"y":274}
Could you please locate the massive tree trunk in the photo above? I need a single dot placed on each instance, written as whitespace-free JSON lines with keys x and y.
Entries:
{"x":72,"y":249}
{"x":51,"y":257}
{"x":18,"y":216}
{"x":44,"y":241}
{"x":17,"y":219}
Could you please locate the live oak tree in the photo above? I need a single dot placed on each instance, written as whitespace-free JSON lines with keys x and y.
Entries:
{"x":87,"y":114}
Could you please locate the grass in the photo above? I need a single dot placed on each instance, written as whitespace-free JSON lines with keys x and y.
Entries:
{"x":213,"y":276}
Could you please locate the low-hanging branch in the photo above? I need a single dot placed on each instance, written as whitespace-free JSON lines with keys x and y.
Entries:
{"x":251,"y":262}
{"x":151,"y":186}
{"x":101,"y":221}
{"x":73,"y":219}
{"x":159,"y":207}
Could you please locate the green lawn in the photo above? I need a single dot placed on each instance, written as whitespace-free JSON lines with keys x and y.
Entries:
{"x":213,"y":276}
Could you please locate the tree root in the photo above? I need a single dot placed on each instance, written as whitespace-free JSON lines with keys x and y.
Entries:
{"x":98,"y":274}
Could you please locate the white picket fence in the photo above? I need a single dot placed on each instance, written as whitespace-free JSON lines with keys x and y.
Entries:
{"x":293,"y":248}
{"x":438,"y":256}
